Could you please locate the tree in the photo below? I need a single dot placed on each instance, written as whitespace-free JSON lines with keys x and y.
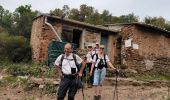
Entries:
{"x":1,"y":13}
{"x":65,"y":11}
{"x":74,"y":14}
{"x":85,"y":12}
{"x":23,"y":18}
{"x":157,"y":21}
{"x":130,"y":18}
{"x":6,"y":19}
{"x":94,"y":18}
{"x":106,"y":17}
{"x":57,"y":12}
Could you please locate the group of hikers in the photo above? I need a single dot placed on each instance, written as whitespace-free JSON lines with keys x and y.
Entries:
{"x":70,"y":67}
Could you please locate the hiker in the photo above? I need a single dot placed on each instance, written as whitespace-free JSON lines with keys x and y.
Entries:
{"x":68,"y":70}
{"x":89,"y":58}
{"x":96,"y":49}
{"x":99,"y":65}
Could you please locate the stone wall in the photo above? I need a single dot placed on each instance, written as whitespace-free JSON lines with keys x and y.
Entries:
{"x":152,"y":54}
{"x":42,"y":35}
{"x":35,"y":40}
{"x":91,"y":38}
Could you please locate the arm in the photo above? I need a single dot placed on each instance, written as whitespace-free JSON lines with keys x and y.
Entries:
{"x":92,"y":67}
{"x":58,"y":70}
{"x":82,"y":68}
{"x":112,"y":68}
{"x":110,"y":65}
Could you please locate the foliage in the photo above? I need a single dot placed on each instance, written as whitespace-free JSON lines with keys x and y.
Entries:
{"x":152,"y":77}
{"x":157,"y":21}
{"x":123,"y":66}
{"x":25,"y":69}
{"x":14,"y":48}
{"x":23,"y":17}
{"x":12,"y":81}
{"x":90,"y":15}
{"x":50,"y":88}
{"x":168,"y":98}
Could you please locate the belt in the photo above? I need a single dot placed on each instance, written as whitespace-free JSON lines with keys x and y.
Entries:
{"x":70,"y":76}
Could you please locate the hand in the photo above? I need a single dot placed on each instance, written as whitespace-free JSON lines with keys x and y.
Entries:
{"x":90,"y":73}
{"x":59,"y":76}
{"x":115,"y":70}
{"x":80,"y":75}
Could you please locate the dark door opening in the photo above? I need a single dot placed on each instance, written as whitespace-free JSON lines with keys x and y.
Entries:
{"x":104,"y":41}
{"x":76,"y":37}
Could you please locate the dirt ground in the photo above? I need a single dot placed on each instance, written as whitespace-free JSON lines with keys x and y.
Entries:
{"x":124,"y":93}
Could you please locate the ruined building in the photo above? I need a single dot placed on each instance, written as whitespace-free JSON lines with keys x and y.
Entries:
{"x":68,"y":30}
{"x":140,"y":47}
{"x":144,"y":48}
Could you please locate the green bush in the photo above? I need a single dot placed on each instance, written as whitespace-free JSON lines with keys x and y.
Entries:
{"x":14,"y":48}
{"x":24,"y":69}
{"x":147,"y":77}
{"x":11,"y":81}
{"x":50,"y":88}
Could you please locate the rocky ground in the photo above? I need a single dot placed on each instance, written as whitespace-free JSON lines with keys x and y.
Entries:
{"x":126,"y":91}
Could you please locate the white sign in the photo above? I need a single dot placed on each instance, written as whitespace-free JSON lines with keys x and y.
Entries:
{"x":135,"y":46}
{"x":128,"y":43}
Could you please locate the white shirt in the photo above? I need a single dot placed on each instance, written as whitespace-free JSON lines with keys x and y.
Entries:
{"x":98,"y":60}
{"x":89,"y":57}
{"x":68,"y":63}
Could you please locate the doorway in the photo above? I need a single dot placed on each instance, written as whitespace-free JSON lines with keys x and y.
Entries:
{"x":104,"y":41}
{"x":76,"y":37}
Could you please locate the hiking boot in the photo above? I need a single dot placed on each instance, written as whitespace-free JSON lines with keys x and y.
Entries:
{"x":99,"y":97}
{"x":95,"y":98}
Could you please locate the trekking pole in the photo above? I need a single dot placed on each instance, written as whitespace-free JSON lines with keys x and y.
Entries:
{"x":83,"y":93}
{"x":82,"y":87}
{"x":115,"y":95}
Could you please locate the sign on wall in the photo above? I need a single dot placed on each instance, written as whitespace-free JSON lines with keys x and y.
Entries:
{"x":128,"y":43}
{"x":135,"y":46}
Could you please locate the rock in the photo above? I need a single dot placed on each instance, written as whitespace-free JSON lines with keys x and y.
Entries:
{"x":41,"y":86}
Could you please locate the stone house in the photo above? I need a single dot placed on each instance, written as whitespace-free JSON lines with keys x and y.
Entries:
{"x":46,"y":29}
{"x":140,"y":47}
{"x":144,"y":48}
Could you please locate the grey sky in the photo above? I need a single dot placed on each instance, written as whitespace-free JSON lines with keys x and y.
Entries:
{"x":140,"y":8}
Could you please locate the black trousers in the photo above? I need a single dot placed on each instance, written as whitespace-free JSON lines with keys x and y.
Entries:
{"x":67,"y":84}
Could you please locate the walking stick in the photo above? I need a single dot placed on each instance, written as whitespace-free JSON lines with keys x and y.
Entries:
{"x":115,"y":95}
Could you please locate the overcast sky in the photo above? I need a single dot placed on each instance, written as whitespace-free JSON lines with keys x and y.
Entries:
{"x":140,"y":8}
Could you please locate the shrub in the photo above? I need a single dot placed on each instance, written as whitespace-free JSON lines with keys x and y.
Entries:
{"x":11,"y":81}
{"x":14,"y":48}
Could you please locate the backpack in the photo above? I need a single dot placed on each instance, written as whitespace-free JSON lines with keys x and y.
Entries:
{"x":75,"y":60}
{"x":101,"y":64}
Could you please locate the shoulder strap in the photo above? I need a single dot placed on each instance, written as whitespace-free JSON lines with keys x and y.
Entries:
{"x":61,"y":61}
{"x":75,"y":60}
{"x":105,"y":60}
{"x":96,"y":57}
{"x":74,"y":57}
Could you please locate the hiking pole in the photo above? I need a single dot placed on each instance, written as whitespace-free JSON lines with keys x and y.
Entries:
{"x":83,"y":93}
{"x":115,"y":95}
{"x":80,"y":85}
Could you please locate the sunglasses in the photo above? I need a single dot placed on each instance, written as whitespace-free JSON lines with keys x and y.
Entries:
{"x":101,"y":48}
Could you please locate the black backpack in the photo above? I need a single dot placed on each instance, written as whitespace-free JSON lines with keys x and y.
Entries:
{"x":101,"y":64}
{"x":75,"y":60}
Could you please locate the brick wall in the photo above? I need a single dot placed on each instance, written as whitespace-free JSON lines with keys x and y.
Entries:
{"x":153,"y":54}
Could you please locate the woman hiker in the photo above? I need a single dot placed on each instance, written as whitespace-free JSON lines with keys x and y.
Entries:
{"x":99,"y":65}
